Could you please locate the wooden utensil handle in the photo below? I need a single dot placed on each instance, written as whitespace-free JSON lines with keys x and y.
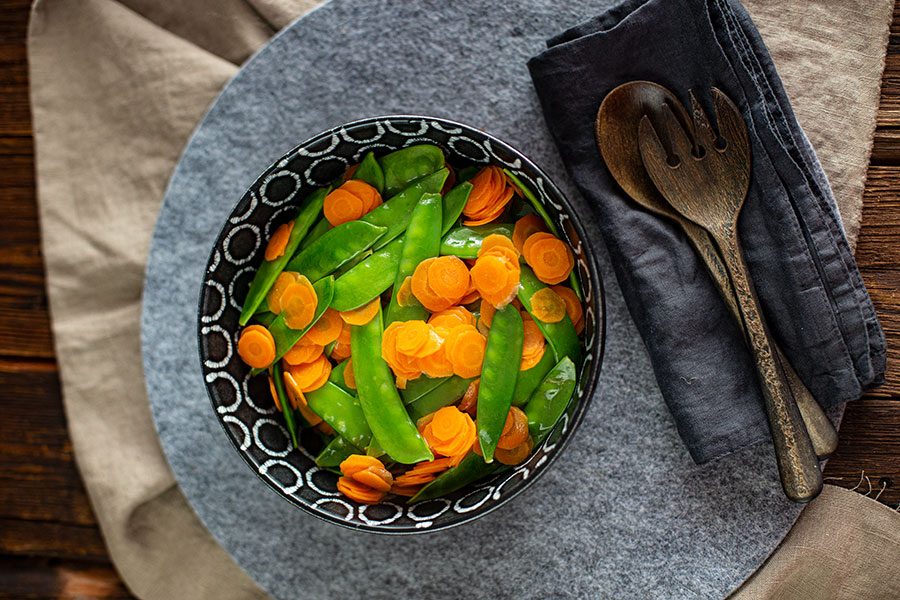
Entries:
{"x":797,"y":463}
{"x":822,"y":433}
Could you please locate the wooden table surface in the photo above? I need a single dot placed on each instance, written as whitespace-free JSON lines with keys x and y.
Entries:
{"x":50,"y":546}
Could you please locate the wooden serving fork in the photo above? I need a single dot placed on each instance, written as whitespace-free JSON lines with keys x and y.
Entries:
{"x":617,"y":138}
{"x":709,"y":189}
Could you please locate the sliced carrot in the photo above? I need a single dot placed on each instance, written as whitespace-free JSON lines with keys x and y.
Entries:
{"x":349,"y":376}
{"x":298,"y":303}
{"x":341,"y":207}
{"x":405,"y":490}
{"x":344,"y":337}
{"x":327,"y":328}
{"x":579,"y":326}
{"x":298,"y":400}
{"x":515,"y":456}
{"x":573,"y":304}
{"x":366,"y":193}
{"x":550,"y":258}
{"x":451,"y":318}
{"x":304,"y":351}
{"x":547,"y":306}
{"x":405,"y":293}
{"x":533,"y":344}
{"x":274,"y":393}
{"x":359,"y":462}
{"x":437,"y":465}
{"x":341,"y":351}
{"x":472,"y":295}
{"x":284,"y":279}
{"x":525,"y":228}
{"x":469,"y":402}
{"x":489,"y":196}
{"x":279,"y":241}
{"x":256,"y":346}
{"x":309,"y":376}
{"x":363,"y":314}
{"x":325,"y":428}
{"x":515,"y":430}
{"x":359,"y":492}
{"x":423,"y":291}
{"x":530,"y":361}
{"x":486,"y":314}
{"x":379,"y":479}
{"x":448,"y":432}
{"x":436,"y":364}
{"x":532,"y":239}
{"x":496,"y":278}
{"x":496,"y":241}
{"x":447,"y":422}
{"x":415,"y":479}
{"x":465,"y":349}
{"x":413,"y":337}
{"x":448,"y":277}
{"x":322,"y":379}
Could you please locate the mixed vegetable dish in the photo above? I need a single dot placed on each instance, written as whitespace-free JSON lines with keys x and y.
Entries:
{"x":423,"y":321}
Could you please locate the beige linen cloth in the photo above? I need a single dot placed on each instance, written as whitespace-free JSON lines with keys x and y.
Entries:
{"x":117,"y":88}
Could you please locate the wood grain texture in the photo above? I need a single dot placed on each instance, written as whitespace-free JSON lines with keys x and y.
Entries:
{"x":50,"y":546}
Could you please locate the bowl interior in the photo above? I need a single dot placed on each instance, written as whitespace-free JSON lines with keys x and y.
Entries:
{"x":243,"y":404}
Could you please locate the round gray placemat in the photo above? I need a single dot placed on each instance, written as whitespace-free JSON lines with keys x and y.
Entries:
{"x":624,"y":512}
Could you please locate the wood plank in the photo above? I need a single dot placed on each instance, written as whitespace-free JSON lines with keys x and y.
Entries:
{"x":40,"y":578}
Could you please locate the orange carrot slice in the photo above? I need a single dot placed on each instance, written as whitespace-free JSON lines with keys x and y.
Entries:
{"x":284,"y":279}
{"x":515,"y":456}
{"x":405,"y":293}
{"x":465,"y":350}
{"x":525,"y":228}
{"x":327,"y":328}
{"x":469,"y":400}
{"x":298,"y":400}
{"x":349,"y":376}
{"x":341,"y":207}
{"x":366,"y":193}
{"x":279,"y":241}
{"x":298,"y":303}
{"x":379,"y":479}
{"x":274,"y":393}
{"x":304,"y":351}
{"x":550,"y":257}
{"x":359,"y":462}
{"x":309,"y":376}
{"x":515,"y":430}
{"x":496,"y":241}
{"x":451,"y":318}
{"x":359,"y":492}
{"x":256,"y":346}
{"x":363,"y":314}
{"x":341,"y":351}
{"x":548,"y":306}
{"x":422,"y":290}
{"x":573,"y":304}
{"x":448,"y":277}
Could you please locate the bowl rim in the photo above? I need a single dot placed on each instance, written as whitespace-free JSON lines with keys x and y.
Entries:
{"x":586,"y":396}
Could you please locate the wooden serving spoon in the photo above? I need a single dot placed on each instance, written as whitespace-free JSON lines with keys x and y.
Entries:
{"x":617,"y":137}
{"x":709,"y":187}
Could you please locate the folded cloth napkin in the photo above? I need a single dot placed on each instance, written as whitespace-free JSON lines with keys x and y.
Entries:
{"x":803,"y":268}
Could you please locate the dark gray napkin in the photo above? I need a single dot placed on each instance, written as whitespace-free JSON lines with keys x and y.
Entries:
{"x":805,"y":275}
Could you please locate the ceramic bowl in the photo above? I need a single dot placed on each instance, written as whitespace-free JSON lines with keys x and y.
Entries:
{"x":243,"y":404}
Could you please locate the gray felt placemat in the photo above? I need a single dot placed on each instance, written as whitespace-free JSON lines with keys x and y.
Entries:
{"x":623,"y":512}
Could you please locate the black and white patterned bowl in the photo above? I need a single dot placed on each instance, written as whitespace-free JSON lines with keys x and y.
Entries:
{"x":244,"y":406}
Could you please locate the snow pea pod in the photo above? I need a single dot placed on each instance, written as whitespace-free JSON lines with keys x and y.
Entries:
{"x":454,"y":203}
{"x":408,"y":164}
{"x":284,"y":336}
{"x":390,"y":424}
{"x":551,"y":225}
{"x":529,"y":379}
{"x":470,"y":469}
{"x":342,"y":411}
{"x":367,"y":280}
{"x":465,"y":242}
{"x":418,"y":387}
{"x":335,"y":453}
{"x":394,"y":214}
{"x":289,"y":418}
{"x":317,"y":231}
{"x":445,"y":394}
{"x":560,"y":335}
{"x":370,"y":171}
{"x":550,"y":399}
{"x":498,"y":377}
{"x":336,"y":247}
{"x":268,"y":271}
{"x":264,"y":318}
{"x":421,"y":241}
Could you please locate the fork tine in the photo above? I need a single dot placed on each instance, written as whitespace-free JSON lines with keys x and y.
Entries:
{"x":652,"y":150}
{"x":677,"y":137}
{"x":729,"y":119}
{"x":706,"y":137}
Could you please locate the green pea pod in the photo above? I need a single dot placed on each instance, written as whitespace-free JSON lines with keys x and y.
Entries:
{"x":551,"y":225}
{"x":336,"y":452}
{"x":448,"y":392}
{"x":349,"y":265}
{"x":465,"y":242}
{"x":418,"y":387}
{"x":337,"y":376}
{"x":284,"y":336}
{"x":454,"y":203}
{"x":367,"y":280}
{"x":560,"y":335}
{"x":317,"y":231}
{"x":384,"y":410}
{"x":289,"y":418}
{"x":421,"y":241}
{"x":498,"y":377}
{"x":403,"y":166}
{"x":264,"y":318}
{"x":394,"y":214}
{"x":268,"y":271}
{"x":342,"y":411}
{"x":370,"y":171}
{"x":469,"y":470}
{"x":335,"y":248}
{"x":373,"y":449}
{"x":529,"y":379}
{"x":550,"y":399}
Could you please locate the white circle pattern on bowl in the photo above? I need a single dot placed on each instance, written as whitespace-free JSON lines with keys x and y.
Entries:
{"x":253,"y":425}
